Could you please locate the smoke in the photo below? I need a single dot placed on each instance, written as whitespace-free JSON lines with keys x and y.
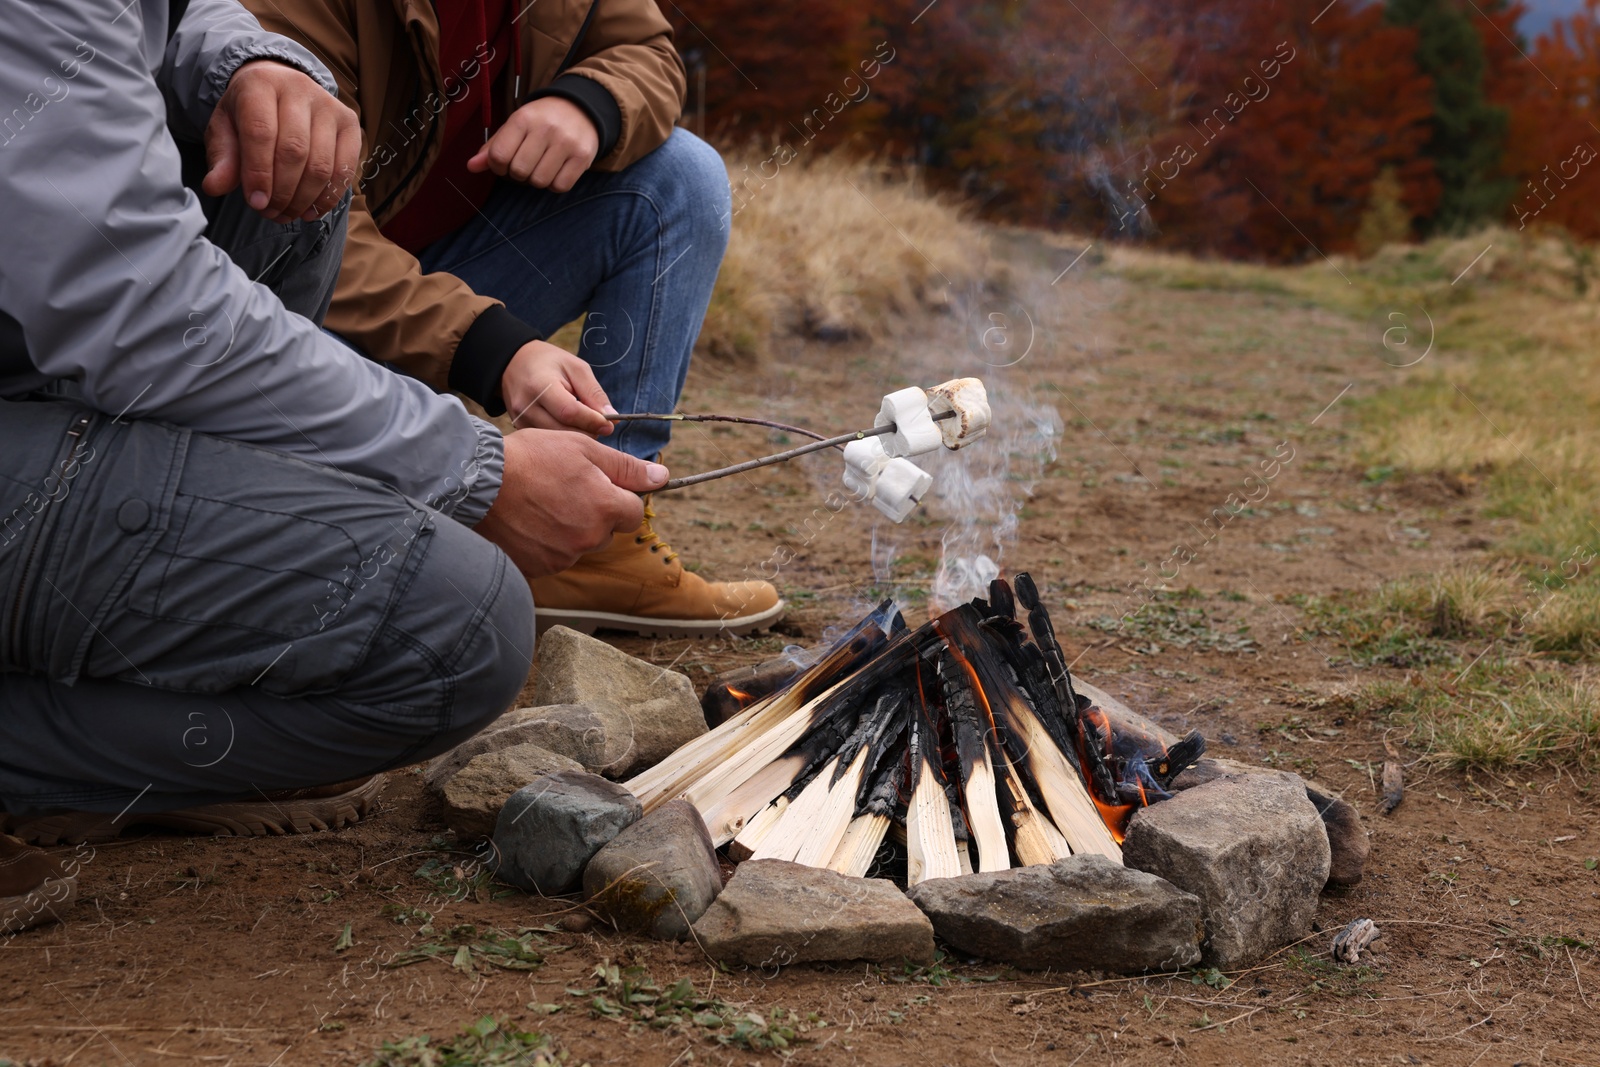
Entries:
{"x":979,"y":491}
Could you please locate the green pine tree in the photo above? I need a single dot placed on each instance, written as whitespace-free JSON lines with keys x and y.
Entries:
{"x":1468,"y":132}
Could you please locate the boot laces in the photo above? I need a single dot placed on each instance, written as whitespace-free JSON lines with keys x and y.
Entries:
{"x":647,"y":536}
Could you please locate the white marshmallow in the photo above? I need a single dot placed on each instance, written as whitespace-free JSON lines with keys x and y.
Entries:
{"x":970,"y":402}
{"x":863,"y":461}
{"x":915,"y":431}
{"x":901,"y":486}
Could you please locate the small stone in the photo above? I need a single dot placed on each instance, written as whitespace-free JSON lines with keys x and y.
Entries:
{"x":474,"y":795}
{"x":657,"y":876}
{"x":600,"y":740}
{"x":1251,"y":847}
{"x":663,"y":714}
{"x":550,"y":829}
{"x":1084,"y":913}
{"x":1347,"y":838}
{"x":773,"y":913}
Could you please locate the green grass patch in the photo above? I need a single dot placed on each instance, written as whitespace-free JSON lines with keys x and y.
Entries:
{"x":485,"y":1043}
{"x":631,"y":995}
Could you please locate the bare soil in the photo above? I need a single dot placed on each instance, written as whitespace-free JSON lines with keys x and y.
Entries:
{"x":224,"y":951}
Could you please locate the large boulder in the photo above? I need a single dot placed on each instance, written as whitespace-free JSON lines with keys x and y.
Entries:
{"x":657,"y":876}
{"x":1251,"y":847}
{"x":660,"y":704}
{"x":773,"y":912}
{"x":551,"y":828}
{"x":474,"y":795}
{"x":1084,"y":913}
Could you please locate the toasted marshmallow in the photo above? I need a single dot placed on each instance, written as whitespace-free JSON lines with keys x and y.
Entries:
{"x":968,"y":399}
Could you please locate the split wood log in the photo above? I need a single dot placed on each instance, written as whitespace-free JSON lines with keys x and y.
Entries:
{"x":668,"y":778}
{"x":1066,"y":798}
{"x":862,"y":839}
{"x":756,"y":830}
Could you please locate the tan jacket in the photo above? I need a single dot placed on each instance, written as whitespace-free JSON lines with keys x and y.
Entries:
{"x":385,"y":57}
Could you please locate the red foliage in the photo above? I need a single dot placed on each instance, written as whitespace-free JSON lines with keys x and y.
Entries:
{"x":1551,"y":148}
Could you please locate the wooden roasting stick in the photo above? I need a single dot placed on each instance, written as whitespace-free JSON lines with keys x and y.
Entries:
{"x":671,"y":776}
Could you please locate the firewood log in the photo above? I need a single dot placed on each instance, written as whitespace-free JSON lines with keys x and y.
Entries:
{"x":756,"y":830}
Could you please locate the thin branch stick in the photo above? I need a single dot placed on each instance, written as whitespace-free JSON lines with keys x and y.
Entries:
{"x":783,"y":457}
{"x":742,"y":419}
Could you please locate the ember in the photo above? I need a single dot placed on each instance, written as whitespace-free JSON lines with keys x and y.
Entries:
{"x":966,"y":733}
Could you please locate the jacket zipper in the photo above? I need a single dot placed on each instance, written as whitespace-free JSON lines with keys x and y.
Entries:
{"x":75,"y":434}
{"x":432,"y":128}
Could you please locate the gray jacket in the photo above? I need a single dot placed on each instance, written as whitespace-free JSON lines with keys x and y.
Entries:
{"x":103,"y":264}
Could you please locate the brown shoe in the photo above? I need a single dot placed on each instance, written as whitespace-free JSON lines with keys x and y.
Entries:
{"x":323,"y":807}
{"x":34,"y":888}
{"x":637,"y":584}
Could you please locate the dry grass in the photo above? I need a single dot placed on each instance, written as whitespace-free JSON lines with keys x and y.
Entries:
{"x":835,"y":248}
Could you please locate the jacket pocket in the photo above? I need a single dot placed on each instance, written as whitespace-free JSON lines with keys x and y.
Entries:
{"x":229,"y":565}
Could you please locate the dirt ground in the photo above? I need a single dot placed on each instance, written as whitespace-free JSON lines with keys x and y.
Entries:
{"x":230,"y":951}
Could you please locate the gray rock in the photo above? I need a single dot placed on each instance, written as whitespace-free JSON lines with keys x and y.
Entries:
{"x":773,"y":912}
{"x":1251,"y":847}
{"x":657,"y":876}
{"x":597,"y":741}
{"x":1347,"y":838}
{"x":550,"y":829}
{"x":474,"y":795}
{"x":660,"y":705}
{"x":1086,"y":913}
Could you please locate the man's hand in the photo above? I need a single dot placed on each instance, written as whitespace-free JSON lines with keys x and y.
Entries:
{"x":564,"y":494}
{"x":294,"y":146}
{"x":548,"y":144}
{"x":551,"y":389}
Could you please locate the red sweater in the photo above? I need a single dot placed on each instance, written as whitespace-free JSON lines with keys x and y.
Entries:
{"x":475,"y":45}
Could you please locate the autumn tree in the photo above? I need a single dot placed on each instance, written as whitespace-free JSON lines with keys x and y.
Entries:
{"x":1467,"y":131}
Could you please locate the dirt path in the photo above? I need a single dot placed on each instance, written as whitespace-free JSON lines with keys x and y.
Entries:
{"x":224,"y":951}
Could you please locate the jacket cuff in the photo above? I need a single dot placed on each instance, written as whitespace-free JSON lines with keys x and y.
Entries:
{"x":479,"y":483}
{"x":595,"y":100}
{"x":485,"y":351}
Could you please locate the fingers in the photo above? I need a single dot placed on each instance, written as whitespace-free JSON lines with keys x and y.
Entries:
{"x":530,"y":155}
{"x":550,"y":165}
{"x":503,"y":147}
{"x":292,"y":146}
{"x":255,"y":117}
{"x":296,"y":129}
{"x":625,"y":471}
{"x":569,"y":174}
{"x":573,"y":414}
{"x":222,"y":155}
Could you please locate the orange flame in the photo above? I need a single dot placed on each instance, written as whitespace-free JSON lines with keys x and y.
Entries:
{"x":740,"y":695}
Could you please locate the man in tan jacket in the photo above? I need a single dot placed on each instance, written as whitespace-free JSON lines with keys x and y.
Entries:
{"x":520,"y":168}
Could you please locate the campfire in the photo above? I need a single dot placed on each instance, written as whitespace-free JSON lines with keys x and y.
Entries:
{"x":965,"y":735}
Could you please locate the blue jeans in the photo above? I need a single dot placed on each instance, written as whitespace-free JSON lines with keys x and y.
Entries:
{"x":637,"y":249}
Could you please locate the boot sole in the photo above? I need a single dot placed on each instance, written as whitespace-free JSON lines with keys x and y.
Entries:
{"x":39,"y":906}
{"x":587,"y":622}
{"x":238,"y":818}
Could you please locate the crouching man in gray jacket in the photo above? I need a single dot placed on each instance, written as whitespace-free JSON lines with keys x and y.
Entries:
{"x":242,"y":568}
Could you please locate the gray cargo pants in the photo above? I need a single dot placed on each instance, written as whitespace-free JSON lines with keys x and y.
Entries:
{"x":186,"y":619}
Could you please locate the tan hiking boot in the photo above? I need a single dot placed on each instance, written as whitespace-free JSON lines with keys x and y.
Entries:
{"x":302,"y":811}
{"x":34,"y":887}
{"x":637,"y":584}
